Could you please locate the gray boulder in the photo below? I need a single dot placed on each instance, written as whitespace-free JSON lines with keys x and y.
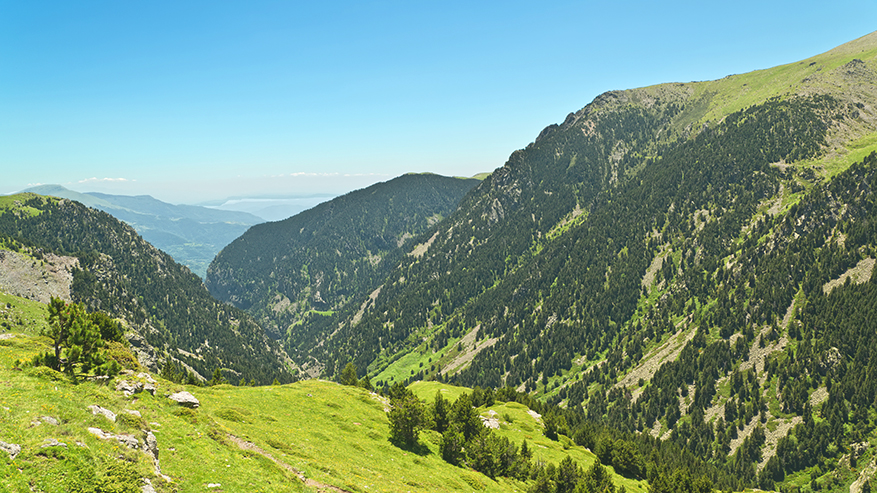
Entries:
{"x":97,"y":410}
{"x":185,"y":399}
{"x":13,"y":449}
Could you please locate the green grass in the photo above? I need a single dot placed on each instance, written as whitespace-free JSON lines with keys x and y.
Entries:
{"x":522,"y":427}
{"x":12,"y":202}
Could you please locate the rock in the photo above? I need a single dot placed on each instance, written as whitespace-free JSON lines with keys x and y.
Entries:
{"x":185,"y":399}
{"x":214,"y":485}
{"x":150,"y":445}
{"x":147,"y":377}
{"x":149,"y":388}
{"x":95,"y":409}
{"x":100,"y":433}
{"x":147,"y":486}
{"x":129,"y":388}
{"x":13,"y":449}
{"x":133,"y":413}
{"x":49,"y":420}
{"x":129,"y":441}
{"x":51,"y":442}
{"x":490,"y":421}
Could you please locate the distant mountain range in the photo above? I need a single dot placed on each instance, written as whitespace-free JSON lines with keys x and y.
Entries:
{"x":191,"y":234}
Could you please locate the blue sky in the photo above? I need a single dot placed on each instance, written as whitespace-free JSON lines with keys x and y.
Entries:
{"x":190,"y":101}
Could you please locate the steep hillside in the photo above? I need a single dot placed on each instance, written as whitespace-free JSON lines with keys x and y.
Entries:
{"x":58,"y":247}
{"x":192,"y":235}
{"x":58,"y":434}
{"x":292,"y":274}
{"x":672,"y":260}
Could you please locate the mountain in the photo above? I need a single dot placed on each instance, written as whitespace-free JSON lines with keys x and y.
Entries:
{"x":58,"y":247}
{"x":192,"y":235}
{"x":688,"y":261}
{"x":59,"y":434}
{"x":294,"y":273}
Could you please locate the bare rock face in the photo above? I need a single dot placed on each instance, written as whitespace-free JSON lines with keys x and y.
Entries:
{"x":185,"y":399}
{"x":39,"y":281}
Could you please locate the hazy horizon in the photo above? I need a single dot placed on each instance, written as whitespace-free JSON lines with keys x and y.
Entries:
{"x":202,"y":101}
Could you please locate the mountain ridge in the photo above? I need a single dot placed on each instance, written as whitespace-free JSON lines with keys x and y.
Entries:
{"x":652,"y":215}
{"x":193,"y":235}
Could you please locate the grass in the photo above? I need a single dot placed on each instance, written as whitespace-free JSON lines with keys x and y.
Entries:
{"x":522,"y":427}
{"x":332,"y":434}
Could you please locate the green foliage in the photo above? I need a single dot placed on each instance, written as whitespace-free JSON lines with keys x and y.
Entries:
{"x":77,"y":334}
{"x":314,"y":268}
{"x":407,"y":418}
{"x":157,"y":297}
{"x":348,"y":375}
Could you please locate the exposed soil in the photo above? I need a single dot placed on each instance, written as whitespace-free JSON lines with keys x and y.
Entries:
{"x":668,"y":351}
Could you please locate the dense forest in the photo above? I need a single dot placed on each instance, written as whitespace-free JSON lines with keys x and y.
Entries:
{"x":293,"y":273}
{"x":121,"y":274}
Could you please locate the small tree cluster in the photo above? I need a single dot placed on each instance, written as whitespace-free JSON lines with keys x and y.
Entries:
{"x":78,"y":339}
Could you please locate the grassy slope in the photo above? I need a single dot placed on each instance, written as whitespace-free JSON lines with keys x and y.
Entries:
{"x":334,"y":435}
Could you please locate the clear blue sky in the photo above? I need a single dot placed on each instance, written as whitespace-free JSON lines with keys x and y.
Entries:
{"x":190,"y":100}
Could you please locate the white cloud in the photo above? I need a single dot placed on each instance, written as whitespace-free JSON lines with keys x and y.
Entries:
{"x":97,"y":180}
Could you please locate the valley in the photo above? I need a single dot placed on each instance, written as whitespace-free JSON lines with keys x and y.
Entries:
{"x":671,"y":290}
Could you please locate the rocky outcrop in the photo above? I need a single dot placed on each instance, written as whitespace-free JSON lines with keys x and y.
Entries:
{"x":125,"y":439}
{"x":97,"y":410}
{"x":13,"y":449}
{"x":51,"y":442}
{"x":185,"y":399}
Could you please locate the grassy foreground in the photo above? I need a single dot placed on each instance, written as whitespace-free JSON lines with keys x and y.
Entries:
{"x":308,"y":436}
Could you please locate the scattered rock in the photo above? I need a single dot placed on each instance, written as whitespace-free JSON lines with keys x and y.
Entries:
{"x":127,"y":440}
{"x":129,"y":388}
{"x":133,"y":413}
{"x":44,"y":419}
{"x":490,"y":421}
{"x":147,"y":486}
{"x":150,"y":445}
{"x":13,"y":449}
{"x":100,"y":433}
{"x":185,"y":399}
{"x":51,"y":442}
{"x":95,"y":409}
{"x":147,"y":377}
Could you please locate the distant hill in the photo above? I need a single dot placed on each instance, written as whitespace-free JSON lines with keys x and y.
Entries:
{"x":316,"y":262}
{"x":51,"y":246}
{"x":192,"y":235}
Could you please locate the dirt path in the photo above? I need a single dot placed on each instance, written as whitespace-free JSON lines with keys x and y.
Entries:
{"x":310,"y":483}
